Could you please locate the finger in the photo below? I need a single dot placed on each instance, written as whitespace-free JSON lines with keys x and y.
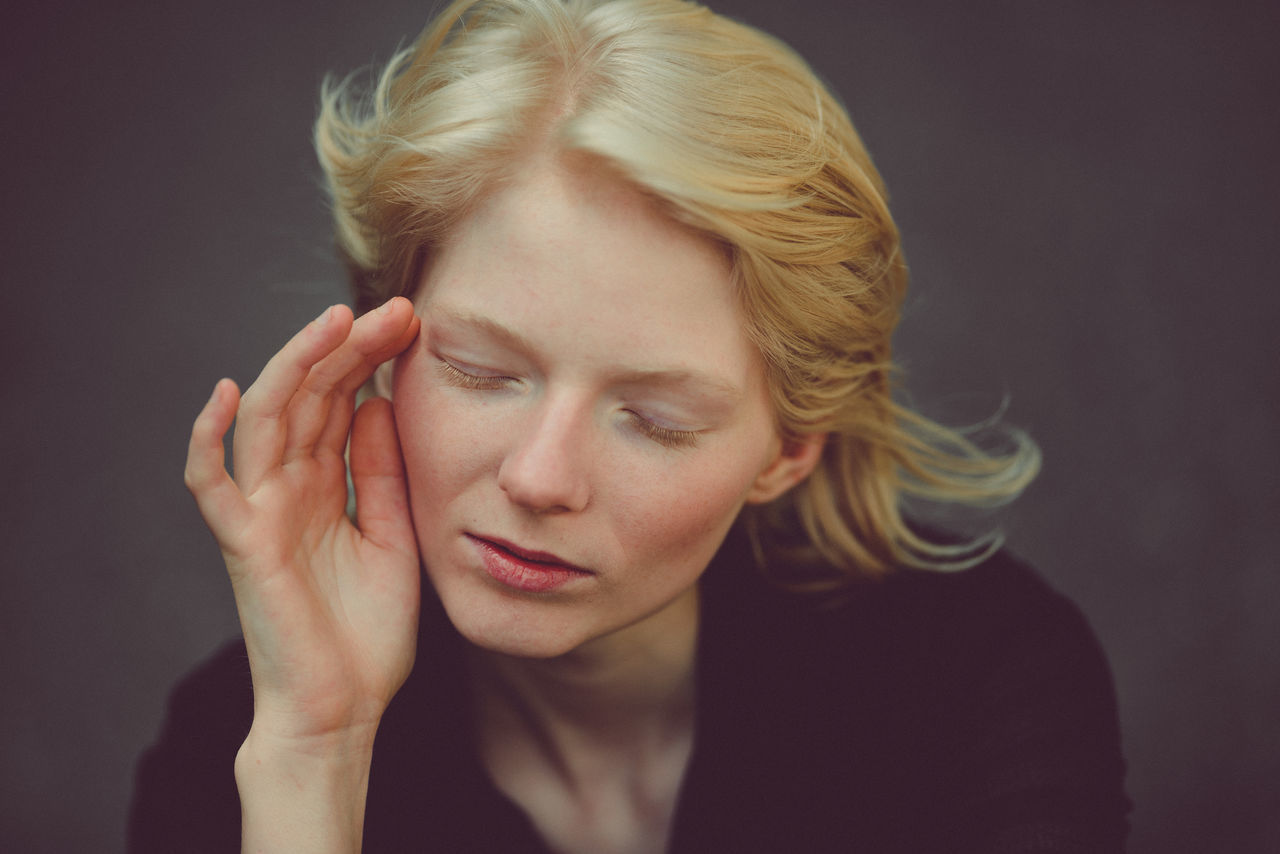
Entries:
{"x":261,"y":430}
{"x":328,"y":395}
{"x":221,"y":504}
{"x":400,"y":316}
{"x":334,"y":438}
{"x":377,"y":473}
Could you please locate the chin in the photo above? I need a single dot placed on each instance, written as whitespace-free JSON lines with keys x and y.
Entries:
{"x":522,"y":629}
{"x":515,"y":645}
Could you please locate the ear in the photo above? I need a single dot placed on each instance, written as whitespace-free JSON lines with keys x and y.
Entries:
{"x":794,"y":461}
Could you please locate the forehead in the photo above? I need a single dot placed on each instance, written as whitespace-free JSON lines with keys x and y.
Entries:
{"x":569,"y":254}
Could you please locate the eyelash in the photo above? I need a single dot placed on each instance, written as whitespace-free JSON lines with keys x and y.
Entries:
{"x":462,"y":379}
{"x":664,"y":436}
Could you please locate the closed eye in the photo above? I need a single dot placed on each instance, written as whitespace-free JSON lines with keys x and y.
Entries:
{"x":456,"y":376}
{"x":665,"y":436}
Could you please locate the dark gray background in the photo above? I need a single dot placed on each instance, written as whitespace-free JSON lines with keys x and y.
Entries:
{"x":1088,"y":195}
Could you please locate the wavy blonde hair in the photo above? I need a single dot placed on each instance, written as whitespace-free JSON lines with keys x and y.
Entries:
{"x":732,"y":132}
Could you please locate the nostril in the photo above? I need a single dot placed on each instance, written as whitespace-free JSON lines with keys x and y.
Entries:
{"x":545,"y":467}
{"x":543,"y":483}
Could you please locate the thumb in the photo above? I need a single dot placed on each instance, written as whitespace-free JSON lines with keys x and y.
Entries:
{"x":377,"y":473}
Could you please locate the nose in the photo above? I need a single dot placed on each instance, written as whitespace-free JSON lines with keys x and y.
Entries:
{"x":545,"y":470}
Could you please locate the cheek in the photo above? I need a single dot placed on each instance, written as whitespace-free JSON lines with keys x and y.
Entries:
{"x":436,"y":437}
{"x":683,"y":516}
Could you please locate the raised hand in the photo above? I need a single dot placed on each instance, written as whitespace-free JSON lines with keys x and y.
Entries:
{"x":329,"y":609}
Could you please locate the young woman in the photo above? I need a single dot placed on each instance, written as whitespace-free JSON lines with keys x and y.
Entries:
{"x":625,"y":281}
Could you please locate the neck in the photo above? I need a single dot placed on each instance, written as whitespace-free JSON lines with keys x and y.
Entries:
{"x":621,"y":695}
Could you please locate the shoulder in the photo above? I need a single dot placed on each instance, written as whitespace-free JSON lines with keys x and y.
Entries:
{"x":982,"y":616}
{"x":973,"y":705}
{"x":185,"y":796}
{"x":942,"y":620}
{"x":184,"y":789}
{"x":989,"y":615}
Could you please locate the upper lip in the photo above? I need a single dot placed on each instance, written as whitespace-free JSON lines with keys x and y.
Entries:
{"x":528,"y":554}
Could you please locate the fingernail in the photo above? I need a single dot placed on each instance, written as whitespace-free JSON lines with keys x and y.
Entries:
{"x":324,"y":316}
{"x":386,"y":306}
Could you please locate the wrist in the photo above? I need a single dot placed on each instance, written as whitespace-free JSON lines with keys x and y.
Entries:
{"x":283,"y":740}
{"x":303,"y":794}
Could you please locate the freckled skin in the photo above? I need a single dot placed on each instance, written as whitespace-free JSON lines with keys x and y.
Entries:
{"x":596,"y":283}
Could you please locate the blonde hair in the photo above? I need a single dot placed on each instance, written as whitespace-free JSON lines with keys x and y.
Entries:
{"x":734,"y":134}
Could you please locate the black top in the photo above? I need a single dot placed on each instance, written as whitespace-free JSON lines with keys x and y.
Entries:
{"x":930,"y":712}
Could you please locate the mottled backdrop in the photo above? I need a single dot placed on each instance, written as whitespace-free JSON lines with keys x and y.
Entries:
{"x":1088,"y":193}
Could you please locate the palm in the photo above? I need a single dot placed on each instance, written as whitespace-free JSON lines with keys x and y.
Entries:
{"x":328,"y":608}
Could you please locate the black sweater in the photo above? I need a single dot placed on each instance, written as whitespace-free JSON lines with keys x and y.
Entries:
{"x":928,"y":712}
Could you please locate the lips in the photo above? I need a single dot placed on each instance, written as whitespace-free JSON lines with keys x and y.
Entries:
{"x":523,"y":569}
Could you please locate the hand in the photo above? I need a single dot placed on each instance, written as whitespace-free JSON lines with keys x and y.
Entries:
{"x":329,"y":609}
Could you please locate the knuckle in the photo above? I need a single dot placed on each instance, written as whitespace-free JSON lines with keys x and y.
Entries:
{"x":316,"y":387}
{"x":200,"y":427}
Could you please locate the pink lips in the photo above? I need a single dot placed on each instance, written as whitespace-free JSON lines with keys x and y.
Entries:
{"x":530,"y":571}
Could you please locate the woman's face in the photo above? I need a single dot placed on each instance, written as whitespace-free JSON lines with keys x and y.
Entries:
{"x":582,"y":416}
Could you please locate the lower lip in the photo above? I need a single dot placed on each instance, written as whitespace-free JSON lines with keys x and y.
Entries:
{"x":523,"y":574}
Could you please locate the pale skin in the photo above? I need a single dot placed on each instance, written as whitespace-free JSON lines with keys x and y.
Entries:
{"x":329,"y":609}
{"x":586,"y":712}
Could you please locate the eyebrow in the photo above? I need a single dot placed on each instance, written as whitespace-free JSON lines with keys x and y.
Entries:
{"x":697,"y":381}
{"x":486,"y":325}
